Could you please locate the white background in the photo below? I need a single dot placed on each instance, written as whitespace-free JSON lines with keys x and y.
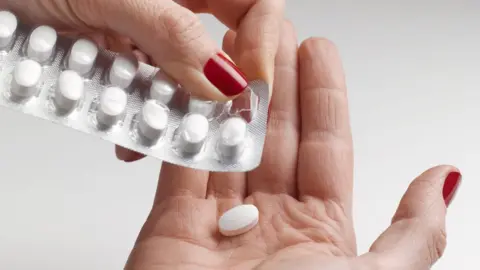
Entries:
{"x":413,"y":69}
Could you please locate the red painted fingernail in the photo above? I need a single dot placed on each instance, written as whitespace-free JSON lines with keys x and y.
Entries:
{"x":450,"y":186}
{"x":133,"y":157}
{"x":222,"y":73}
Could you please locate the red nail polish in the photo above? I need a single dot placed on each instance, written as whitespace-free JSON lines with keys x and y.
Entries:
{"x":134,"y":157}
{"x":450,"y":186}
{"x":222,"y":73}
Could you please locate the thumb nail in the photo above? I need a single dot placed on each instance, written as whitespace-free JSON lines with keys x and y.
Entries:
{"x":450,"y":186}
{"x":225,"y":75}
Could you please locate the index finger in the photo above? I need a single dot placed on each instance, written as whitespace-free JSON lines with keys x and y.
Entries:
{"x":257,"y":23}
{"x":325,"y":165}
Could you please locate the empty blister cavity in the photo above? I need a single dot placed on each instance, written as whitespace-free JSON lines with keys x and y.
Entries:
{"x":41,"y":43}
{"x":69,"y":91}
{"x":245,"y":105}
{"x":111,"y":107}
{"x":82,"y":56}
{"x":26,"y":77}
{"x":192,"y":133}
{"x":123,"y":71}
{"x":232,"y":137}
{"x":204,"y":107}
{"x":163,"y":88}
{"x":8,"y":27}
{"x":153,"y":120}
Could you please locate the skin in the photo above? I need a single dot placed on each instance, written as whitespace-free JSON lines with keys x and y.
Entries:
{"x":171,"y":37}
{"x":170,"y":31}
{"x":303,"y":188}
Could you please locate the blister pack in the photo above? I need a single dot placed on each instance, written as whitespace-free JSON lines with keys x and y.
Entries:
{"x":75,"y":84}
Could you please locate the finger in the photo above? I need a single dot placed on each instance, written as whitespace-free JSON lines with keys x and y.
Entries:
{"x":228,"y":44}
{"x":176,"y":181}
{"x":277,"y":171}
{"x":141,"y":56}
{"x":99,"y":38}
{"x":118,"y":43}
{"x":325,"y":164}
{"x":131,"y":156}
{"x":228,"y":189}
{"x":127,"y":155}
{"x":258,"y":25}
{"x":417,"y":236}
{"x":197,"y":6}
{"x":175,"y":37}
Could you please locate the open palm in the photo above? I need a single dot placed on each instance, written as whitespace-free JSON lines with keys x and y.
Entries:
{"x":303,"y":189}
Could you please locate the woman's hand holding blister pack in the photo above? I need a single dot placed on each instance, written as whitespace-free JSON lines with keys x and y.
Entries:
{"x":134,"y":105}
{"x":171,"y":34}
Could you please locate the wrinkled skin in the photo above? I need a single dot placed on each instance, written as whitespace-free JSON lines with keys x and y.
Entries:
{"x":303,"y":188}
{"x":169,"y":32}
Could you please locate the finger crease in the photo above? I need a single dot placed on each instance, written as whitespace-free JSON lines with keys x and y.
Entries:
{"x":279,"y":119}
{"x":329,"y":139}
{"x":341,"y":92}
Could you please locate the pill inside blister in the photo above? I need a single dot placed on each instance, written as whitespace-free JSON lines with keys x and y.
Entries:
{"x":113,"y":103}
{"x":26,"y":77}
{"x":82,"y":56}
{"x":203,"y":107}
{"x":78,"y":85}
{"x":233,"y":135}
{"x":123,"y":71}
{"x":192,"y":133}
{"x":8,"y":27}
{"x":153,"y":120}
{"x":41,"y":43}
{"x":163,"y":88}
{"x":69,"y":91}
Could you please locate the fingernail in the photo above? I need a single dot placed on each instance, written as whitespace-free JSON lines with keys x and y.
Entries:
{"x":134,"y":157}
{"x":224,"y":75}
{"x":450,"y":186}
{"x":128,"y":156}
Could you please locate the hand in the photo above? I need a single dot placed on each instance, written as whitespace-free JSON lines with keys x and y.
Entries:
{"x":171,"y":33}
{"x":303,"y":189}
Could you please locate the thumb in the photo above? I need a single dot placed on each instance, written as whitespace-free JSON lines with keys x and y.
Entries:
{"x":417,"y":237}
{"x":171,"y":34}
{"x":178,"y":42}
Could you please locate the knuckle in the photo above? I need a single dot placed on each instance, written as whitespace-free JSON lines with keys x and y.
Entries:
{"x":76,"y":14}
{"x":182,"y":28}
{"x":282,"y":121}
{"x":437,"y":243}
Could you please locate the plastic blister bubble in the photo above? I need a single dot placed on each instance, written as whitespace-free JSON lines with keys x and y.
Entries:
{"x":113,"y":97}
